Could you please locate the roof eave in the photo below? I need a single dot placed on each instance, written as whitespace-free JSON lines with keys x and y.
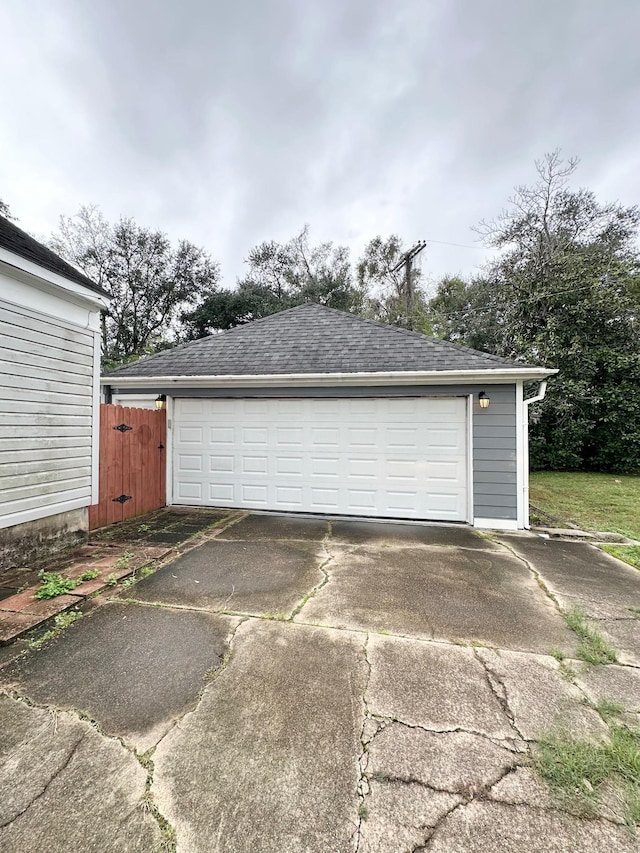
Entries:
{"x":56,"y":281}
{"x":498,"y":375}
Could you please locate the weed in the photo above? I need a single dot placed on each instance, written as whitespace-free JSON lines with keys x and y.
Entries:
{"x":54,"y":584}
{"x":146,"y":759}
{"x":593,"y":648}
{"x":557,"y":654}
{"x":144,"y":528}
{"x":111,"y":580}
{"x":89,"y":575}
{"x":363,"y":812}
{"x":145,"y":571}
{"x":129,"y":581}
{"x":276,"y":617}
{"x":123,"y":561}
{"x":534,"y":519}
{"x":380,"y":776}
{"x":608,"y":709}
{"x":577,"y":770}
{"x":634,"y":611}
{"x":567,"y":671}
{"x":60,"y":622}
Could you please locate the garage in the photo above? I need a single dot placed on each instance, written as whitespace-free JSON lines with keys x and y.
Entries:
{"x":315,"y":410}
{"x":394,"y":457}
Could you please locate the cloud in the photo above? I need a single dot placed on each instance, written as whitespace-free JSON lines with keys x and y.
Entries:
{"x":229,"y":124}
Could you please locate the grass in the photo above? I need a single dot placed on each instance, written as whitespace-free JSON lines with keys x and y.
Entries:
{"x":577,"y":770}
{"x":593,"y":648}
{"x":60,"y":622}
{"x":591,"y":501}
{"x":608,"y":709}
{"x":629,"y":553}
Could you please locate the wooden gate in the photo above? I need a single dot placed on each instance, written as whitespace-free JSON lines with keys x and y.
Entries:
{"x":132,"y":464}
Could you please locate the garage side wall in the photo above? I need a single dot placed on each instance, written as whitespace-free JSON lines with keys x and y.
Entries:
{"x":493,"y":430}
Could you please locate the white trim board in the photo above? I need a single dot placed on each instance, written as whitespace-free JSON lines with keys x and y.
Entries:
{"x":522,"y":463}
{"x":47,"y":280}
{"x":499,"y":376}
{"x":496,"y":523}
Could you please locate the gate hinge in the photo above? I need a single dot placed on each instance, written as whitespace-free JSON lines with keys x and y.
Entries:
{"x":122,"y":498}
{"x":123,"y":427}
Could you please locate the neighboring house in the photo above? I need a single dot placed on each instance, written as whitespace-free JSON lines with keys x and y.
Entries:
{"x":317,"y":411}
{"x":49,"y":390}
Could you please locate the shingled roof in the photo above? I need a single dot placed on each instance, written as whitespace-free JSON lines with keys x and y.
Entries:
{"x":16,"y":240}
{"x":312,"y":339}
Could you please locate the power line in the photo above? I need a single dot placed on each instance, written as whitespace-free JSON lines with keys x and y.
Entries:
{"x":460,"y":245}
{"x":488,"y":305}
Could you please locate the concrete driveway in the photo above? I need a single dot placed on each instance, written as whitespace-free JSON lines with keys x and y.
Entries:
{"x":299,"y":685}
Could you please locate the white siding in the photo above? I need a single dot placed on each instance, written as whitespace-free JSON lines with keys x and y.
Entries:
{"x":46,"y":414}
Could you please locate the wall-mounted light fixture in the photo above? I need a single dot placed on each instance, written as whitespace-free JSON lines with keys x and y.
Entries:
{"x":161,"y":401}
{"x":484,"y":400}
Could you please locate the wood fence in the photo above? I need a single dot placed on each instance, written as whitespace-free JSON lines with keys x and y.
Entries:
{"x":132,"y":464}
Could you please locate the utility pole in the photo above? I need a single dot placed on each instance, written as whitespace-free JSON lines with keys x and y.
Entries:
{"x":406,"y":261}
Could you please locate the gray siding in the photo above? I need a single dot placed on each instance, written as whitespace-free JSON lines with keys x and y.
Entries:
{"x":494,"y":430}
{"x":46,"y":369}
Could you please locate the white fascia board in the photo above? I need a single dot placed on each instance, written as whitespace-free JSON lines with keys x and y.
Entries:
{"x":51,"y":281}
{"x":495,"y":524}
{"x":491,"y":376}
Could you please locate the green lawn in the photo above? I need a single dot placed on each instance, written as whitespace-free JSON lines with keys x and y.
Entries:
{"x":591,"y":501}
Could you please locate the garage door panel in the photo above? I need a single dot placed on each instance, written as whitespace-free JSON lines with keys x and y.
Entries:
{"x":219,"y":464}
{"x":289,"y":437}
{"x":289,"y":465}
{"x":325,"y":499}
{"x":222,"y":436}
{"x":221,"y":494}
{"x":385,"y":457}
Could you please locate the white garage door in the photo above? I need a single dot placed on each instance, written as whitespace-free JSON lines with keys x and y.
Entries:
{"x":383,"y":457}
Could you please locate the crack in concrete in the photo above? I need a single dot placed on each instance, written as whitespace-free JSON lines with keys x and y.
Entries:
{"x":325,"y":579}
{"x":494,"y":679}
{"x":145,"y":760}
{"x":581,"y":816}
{"x":539,"y":579}
{"x":481,"y":794}
{"x":505,"y":743}
{"x":166,"y":830}
{"x":362,"y":784}
{"x":60,"y":770}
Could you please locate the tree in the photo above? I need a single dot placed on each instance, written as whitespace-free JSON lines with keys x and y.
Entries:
{"x":279,"y":276}
{"x":565,"y":293}
{"x":151,"y":281}
{"x":387,"y":293}
{"x":5,"y":210}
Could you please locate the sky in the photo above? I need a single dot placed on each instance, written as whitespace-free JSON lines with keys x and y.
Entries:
{"x":232,"y":123}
